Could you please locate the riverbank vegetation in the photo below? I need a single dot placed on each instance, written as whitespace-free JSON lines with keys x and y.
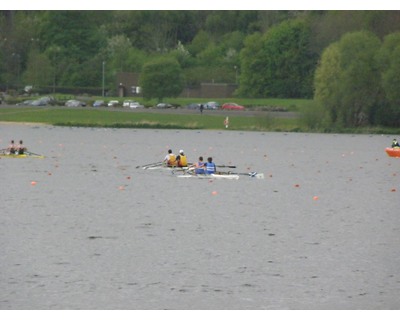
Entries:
{"x":346,"y":61}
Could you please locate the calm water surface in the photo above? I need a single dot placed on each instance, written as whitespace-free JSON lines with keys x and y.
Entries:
{"x":321,"y":231}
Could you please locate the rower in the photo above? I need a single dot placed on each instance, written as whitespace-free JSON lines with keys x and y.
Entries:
{"x":11,"y":148}
{"x":210,"y":166}
{"x":20,"y":148}
{"x":170,"y":159}
{"x":181,"y":159}
{"x":199,"y":166}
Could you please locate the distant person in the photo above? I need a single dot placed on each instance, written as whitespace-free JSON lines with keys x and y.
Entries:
{"x":181,"y":159}
{"x":395,"y":144}
{"x":170,"y":159}
{"x":201,"y":108}
{"x":199,"y":166}
{"x":11,"y":148}
{"x":210,"y":166}
{"x":20,"y":148}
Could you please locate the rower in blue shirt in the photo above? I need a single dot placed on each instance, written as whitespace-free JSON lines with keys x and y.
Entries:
{"x":210,"y":166}
{"x":199,"y":166}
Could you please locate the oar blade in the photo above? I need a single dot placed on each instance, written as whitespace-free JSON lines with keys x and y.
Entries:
{"x":150,"y":165}
{"x":225,"y":166}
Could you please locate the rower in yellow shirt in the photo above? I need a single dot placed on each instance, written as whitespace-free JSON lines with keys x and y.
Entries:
{"x":181,"y":159}
{"x":170,"y":159}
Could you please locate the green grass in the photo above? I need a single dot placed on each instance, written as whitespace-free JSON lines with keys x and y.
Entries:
{"x":310,"y":120}
{"x":105,"y":118}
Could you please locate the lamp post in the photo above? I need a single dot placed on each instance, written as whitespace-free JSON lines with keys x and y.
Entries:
{"x":103,"y":70}
{"x":236,"y":74}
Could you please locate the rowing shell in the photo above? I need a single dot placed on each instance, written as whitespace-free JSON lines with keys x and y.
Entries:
{"x":166,"y":168}
{"x":210,"y":176}
{"x":21,"y":156}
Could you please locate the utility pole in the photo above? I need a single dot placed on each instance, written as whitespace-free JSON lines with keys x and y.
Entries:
{"x":103,"y":78}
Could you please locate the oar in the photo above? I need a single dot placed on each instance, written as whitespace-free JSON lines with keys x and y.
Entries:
{"x":145,"y":166}
{"x":224,"y":166}
{"x":33,"y":154}
{"x":250,"y":174}
{"x":186,"y":170}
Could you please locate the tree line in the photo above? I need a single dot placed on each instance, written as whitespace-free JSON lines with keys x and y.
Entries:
{"x":346,"y":60}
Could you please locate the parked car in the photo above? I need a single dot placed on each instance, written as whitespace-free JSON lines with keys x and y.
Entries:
{"x":232,"y":106}
{"x":127,"y":103}
{"x":75,"y":103}
{"x":135,"y":105}
{"x":43,"y":101}
{"x":99,"y":103}
{"x":113,"y":103}
{"x":193,"y":106}
{"x":212,"y":105}
{"x":164,"y":105}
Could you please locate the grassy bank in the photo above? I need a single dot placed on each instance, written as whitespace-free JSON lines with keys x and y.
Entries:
{"x":122,"y":118}
{"x":88,"y":117}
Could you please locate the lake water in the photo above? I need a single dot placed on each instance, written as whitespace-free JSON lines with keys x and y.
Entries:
{"x":85,"y":229}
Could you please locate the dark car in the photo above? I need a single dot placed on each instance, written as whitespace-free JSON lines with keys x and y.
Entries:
{"x":193,"y":106}
{"x":232,"y":106}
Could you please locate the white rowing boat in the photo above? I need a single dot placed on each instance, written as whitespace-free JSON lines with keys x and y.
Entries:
{"x":166,"y":168}
{"x":210,"y":176}
{"x":188,"y":172}
{"x":219,"y":175}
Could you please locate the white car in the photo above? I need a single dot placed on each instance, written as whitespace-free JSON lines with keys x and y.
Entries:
{"x":113,"y":103}
{"x":127,"y":103}
{"x":135,"y":105}
{"x":75,"y":103}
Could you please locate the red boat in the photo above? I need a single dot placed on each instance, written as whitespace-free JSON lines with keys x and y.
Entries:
{"x":393,"y":152}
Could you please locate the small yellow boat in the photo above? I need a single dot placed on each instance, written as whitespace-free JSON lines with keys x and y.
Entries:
{"x":22,"y":156}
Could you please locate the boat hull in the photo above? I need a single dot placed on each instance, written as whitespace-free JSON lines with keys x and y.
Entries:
{"x":393,"y":152}
{"x":20,"y":156}
{"x":166,"y":168}
{"x":210,"y":176}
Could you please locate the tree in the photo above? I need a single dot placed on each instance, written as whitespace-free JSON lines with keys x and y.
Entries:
{"x":347,"y":81}
{"x":251,"y":57}
{"x":39,"y":71}
{"x":281,"y":65}
{"x":327,"y":81}
{"x":161,"y":78}
{"x":78,"y":38}
{"x":389,"y":62}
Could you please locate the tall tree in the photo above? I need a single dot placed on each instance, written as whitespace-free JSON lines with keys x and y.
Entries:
{"x":327,"y":81}
{"x":78,"y":39}
{"x":389,"y":61}
{"x":161,"y":78}
{"x":283,"y":63}
{"x":354,"y":84}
